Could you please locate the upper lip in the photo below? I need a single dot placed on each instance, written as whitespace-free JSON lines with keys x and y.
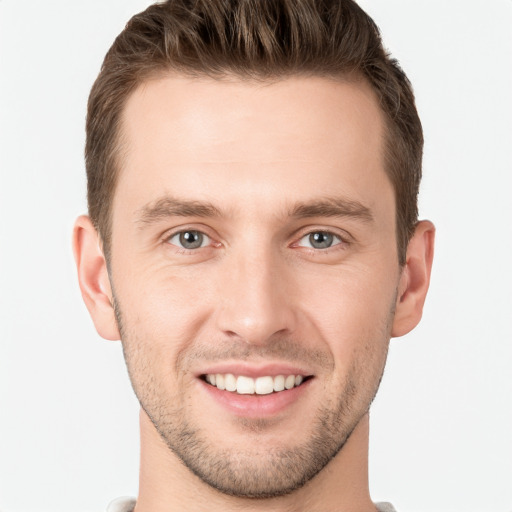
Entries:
{"x":254,"y":370}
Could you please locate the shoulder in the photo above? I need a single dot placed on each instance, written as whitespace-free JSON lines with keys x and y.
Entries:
{"x":123,"y":504}
{"x":385,"y":507}
{"x":127,"y":504}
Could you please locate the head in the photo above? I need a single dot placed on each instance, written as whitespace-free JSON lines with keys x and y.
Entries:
{"x":253,"y":170}
{"x":259,"y":41}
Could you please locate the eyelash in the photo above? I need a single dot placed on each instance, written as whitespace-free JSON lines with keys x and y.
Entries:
{"x":183,"y":250}
{"x":342,"y":241}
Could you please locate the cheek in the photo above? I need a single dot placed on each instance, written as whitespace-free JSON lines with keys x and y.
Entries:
{"x":160,"y":320}
{"x":351,"y":313}
{"x":159,"y":323}
{"x":168,"y":304}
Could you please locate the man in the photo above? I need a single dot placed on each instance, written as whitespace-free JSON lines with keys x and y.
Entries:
{"x":253,"y":170}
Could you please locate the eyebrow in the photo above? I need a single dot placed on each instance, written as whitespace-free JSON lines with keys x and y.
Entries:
{"x":327,"y":207}
{"x":171,"y":207}
{"x":333,"y":207}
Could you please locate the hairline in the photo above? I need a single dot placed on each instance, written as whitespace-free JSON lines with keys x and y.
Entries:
{"x":119,"y":149}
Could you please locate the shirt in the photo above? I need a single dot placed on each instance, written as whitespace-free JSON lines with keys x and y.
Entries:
{"x":127,"y":504}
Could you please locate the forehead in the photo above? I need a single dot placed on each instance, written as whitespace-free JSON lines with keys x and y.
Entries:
{"x":299,"y":136}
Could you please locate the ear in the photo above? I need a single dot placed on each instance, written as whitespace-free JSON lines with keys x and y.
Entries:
{"x":415,"y":279}
{"x":93,"y":278}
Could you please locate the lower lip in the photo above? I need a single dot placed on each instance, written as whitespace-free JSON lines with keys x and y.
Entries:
{"x":256,"y":406}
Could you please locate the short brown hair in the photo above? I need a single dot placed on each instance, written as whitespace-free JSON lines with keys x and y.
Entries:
{"x":252,"y":39}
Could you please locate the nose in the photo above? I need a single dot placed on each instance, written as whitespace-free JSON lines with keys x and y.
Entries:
{"x":255,"y":302}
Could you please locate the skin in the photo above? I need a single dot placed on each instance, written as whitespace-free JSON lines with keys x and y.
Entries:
{"x":268,"y":165}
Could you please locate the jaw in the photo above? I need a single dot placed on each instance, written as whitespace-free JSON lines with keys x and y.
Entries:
{"x":166,"y":483}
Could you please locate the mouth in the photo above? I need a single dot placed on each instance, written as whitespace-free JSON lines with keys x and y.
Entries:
{"x":250,"y":390}
{"x":263,"y":385}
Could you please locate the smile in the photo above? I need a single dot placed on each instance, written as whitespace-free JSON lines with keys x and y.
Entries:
{"x":264,"y":385}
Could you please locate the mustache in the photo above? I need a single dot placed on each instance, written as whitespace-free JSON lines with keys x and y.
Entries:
{"x":278,"y":347}
{"x":282,"y":349}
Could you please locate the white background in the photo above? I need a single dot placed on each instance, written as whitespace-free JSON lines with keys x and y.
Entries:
{"x":442,"y":423}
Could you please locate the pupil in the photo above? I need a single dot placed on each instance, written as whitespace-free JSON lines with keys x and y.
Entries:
{"x":320,"y":240}
{"x":191,"y":239}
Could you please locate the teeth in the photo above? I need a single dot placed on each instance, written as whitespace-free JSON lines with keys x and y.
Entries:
{"x":289,"y":382}
{"x":219,"y":381}
{"x":248,"y":386}
{"x":279,"y":383}
{"x":230,"y":382}
{"x":264,"y":385}
{"x":245,"y":385}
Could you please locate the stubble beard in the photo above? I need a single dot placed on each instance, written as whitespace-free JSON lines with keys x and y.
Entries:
{"x":254,"y":473}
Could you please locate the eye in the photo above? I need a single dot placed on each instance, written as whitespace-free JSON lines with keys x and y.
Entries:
{"x":319,"y":240}
{"x":190,"y":239}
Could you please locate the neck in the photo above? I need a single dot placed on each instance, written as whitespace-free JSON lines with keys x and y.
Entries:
{"x":166,"y":485}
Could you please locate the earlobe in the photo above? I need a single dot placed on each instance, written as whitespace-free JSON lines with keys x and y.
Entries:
{"x":415,"y":279}
{"x":93,"y":278}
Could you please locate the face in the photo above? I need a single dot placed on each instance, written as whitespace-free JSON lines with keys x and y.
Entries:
{"x":254,"y":249}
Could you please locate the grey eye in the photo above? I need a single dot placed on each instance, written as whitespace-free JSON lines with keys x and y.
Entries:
{"x":320,"y":240}
{"x":190,"y":239}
